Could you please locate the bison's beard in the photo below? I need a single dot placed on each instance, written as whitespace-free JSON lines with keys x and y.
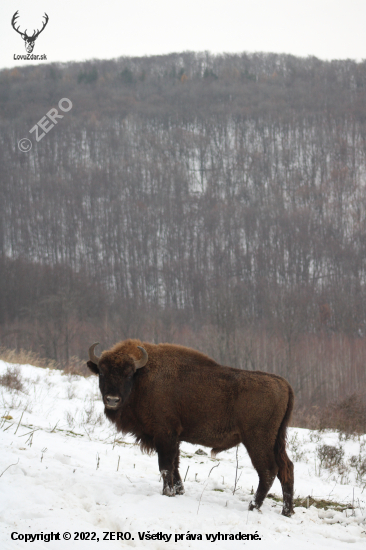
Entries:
{"x":111,"y":414}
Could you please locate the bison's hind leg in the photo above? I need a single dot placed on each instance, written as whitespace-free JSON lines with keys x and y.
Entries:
{"x":286,"y":477}
{"x":177,"y":481}
{"x":263,"y":460}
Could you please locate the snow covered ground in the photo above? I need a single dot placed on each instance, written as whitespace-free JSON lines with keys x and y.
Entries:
{"x":71,"y":473}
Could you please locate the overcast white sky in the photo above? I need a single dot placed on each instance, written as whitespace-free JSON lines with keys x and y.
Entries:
{"x":79,"y":30}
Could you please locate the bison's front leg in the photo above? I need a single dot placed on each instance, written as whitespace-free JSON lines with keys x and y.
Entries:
{"x":167,"y":450}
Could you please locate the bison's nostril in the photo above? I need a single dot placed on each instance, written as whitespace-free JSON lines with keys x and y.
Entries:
{"x":111,"y":401}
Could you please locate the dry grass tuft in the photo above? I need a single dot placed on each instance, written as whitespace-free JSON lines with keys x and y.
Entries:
{"x":316,"y":502}
{"x":23,"y":357}
{"x":78,"y":367}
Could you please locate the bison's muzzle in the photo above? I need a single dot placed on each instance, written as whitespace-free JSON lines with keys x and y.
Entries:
{"x":111,"y":402}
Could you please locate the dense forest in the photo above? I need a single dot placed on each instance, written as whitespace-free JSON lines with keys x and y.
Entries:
{"x":213,"y":201}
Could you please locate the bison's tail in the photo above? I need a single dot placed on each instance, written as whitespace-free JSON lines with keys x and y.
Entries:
{"x":283,"y":462}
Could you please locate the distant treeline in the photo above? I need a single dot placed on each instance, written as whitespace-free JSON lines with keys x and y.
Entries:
{"x":217,"y":201}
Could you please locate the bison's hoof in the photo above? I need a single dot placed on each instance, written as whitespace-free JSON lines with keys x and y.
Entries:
{"x":253,"y":506}
{"x":169,"y":492}
{"x":179,"y":488}
{"x":287,"y":513}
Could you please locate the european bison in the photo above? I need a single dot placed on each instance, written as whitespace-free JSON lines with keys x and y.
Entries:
{"x":164,"y":394}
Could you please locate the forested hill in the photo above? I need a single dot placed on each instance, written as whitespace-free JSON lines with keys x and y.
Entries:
{"x":222,"y":193}
{"x":187,"y":86}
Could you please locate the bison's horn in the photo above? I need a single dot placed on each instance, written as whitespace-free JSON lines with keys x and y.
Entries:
{"x":141,"y":362}
{"x":93,"y":358}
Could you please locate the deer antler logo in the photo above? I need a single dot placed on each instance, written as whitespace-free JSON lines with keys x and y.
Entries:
{"x":28,"y":40}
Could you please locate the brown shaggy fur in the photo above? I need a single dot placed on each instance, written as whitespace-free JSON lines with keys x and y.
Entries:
{"x":183,"y":395}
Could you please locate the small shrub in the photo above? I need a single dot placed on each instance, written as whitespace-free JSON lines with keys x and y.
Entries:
{"x":12,"y":379}
{"x":90,"y":416}
{"x":70,"y":391}
{"x":294,"y":446}
{"x":13,"y":401}
{"x":330,"y":457}
{"x":70,"y":419}
{"x":358,"y":462}
{"x":315,"y":437}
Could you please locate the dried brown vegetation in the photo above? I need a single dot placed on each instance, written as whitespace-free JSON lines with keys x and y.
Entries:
{"x":347,"y":415}
{"x":26,"y":357}
{"x":330,"y":456}
{"x":12,"y":379}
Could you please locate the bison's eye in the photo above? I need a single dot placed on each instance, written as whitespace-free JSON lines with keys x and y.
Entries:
{"x":101,"y":374}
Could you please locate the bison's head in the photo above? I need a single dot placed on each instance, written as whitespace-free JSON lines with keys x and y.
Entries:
{"x":116,"y":375}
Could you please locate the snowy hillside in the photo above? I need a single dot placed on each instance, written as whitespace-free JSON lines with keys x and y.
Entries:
{"x":64,"y":470}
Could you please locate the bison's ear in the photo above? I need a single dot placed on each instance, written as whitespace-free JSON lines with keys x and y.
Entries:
{"x":93,"y":367}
